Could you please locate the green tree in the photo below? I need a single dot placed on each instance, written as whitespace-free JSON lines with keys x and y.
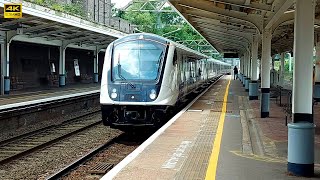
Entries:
{"x":172,"y":25}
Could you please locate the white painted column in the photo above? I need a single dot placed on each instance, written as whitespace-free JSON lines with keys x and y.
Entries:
{"x":259,"y":68}
{"x":96,"y":66}
{"x":303,"y":53}
{"x":282,"y":69}
{"x":243,"y":65}
{"x":265,"y":72}
{"x":249,"y":64}
{"x":290,"y":62}
{"x":246,"y":83}
{"x":62,"y":66}
{"x":241,"y":69}
{"x":253,"y":85}
{"x":244,"y":76}
{"x":301,"y":129}
{"x":5,"y":51}
{"x":254,"y":64}
{"x":3,"y":57}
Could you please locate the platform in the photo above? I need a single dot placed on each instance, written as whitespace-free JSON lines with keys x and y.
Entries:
{"x":39,"y":95}
{"x":218,"y":137}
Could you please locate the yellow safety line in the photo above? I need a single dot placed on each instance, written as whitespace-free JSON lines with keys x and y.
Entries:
{"x":213,"y":162}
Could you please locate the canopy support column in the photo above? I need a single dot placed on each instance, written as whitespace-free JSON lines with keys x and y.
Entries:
{"x":301,"y":129}
{"x":282,"y":69}
{"x":253,"y":85}
{"x":95,"y":65}
{"x":247,"y":80}
{"x":62,"y":66}
{"x":265,"y":73}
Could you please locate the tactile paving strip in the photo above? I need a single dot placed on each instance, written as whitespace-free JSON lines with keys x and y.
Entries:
{"x":196,"y":164}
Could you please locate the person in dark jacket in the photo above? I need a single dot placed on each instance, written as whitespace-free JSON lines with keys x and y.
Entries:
{"x":235,"y":73}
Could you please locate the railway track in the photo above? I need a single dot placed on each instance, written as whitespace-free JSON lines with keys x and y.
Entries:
{"x":22,"y":145}
{"x":101,"y":159}
{"x":83,"y":159}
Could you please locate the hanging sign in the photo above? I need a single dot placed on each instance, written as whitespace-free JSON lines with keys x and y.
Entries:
{"x":76,"y":67}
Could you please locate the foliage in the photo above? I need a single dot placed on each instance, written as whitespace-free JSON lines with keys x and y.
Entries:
{"x":277,"y":65}
{"x":76,"y":8}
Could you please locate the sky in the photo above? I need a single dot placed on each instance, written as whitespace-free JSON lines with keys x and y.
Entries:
{"x":120,"y":3}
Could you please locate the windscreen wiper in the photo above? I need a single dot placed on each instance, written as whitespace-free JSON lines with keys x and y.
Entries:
{"x":160,"y":57}
{"x":123,"y":78}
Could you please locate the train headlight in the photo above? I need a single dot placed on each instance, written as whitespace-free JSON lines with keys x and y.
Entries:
{"x":114,"y":95}
{"x":153,"y":94}
{"x":114,"y":90}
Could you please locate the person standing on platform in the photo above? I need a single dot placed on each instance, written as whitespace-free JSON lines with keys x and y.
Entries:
{"x":235,"y":73}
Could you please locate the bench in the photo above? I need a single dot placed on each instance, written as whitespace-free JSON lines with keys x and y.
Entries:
{"x":275,"y":93}
{"x":53,"y":80}
{"x":288,"y":106}
{"x":16,"y":83}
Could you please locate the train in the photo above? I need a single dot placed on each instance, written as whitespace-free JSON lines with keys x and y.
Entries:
{"x":146,"y":76}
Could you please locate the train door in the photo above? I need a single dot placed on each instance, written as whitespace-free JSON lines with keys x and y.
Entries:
{"x":198,"y":70}
{"x":176,"y":73}
{"x":185,"y":75}
{"x":180,"y":73}
{"x":204,"y":70}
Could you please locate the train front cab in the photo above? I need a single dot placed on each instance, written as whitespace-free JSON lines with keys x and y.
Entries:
{"x":133,"y":93}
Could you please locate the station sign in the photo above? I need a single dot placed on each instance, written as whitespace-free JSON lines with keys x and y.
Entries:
{"x":230,"y":55}
{"x":13,"y":11}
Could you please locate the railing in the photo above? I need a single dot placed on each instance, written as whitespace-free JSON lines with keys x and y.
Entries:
{"x":288,"y":108}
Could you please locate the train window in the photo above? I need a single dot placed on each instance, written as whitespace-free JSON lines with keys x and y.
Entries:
{"x":192,"y":69}
{"x":200,"y":68}
{"x":187,"y":69}
{"x":137,"y":60}
{"x":175,"y":57}
{"x":182,"y":70}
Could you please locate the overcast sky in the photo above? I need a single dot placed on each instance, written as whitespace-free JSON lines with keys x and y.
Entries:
{"x":120,"y":3}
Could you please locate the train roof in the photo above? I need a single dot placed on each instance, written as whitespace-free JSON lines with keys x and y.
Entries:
{"x":165,"y":40}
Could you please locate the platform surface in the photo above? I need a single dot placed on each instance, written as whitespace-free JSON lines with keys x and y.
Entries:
{"x":36,"y":95}
{"x":209,"y":141}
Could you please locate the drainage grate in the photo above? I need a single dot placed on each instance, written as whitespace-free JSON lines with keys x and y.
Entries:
{"x":101,"y":168}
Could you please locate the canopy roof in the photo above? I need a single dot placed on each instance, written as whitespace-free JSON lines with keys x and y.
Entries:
{"x":229,"y":25}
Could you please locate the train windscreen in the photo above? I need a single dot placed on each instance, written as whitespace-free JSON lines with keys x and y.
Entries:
{"x":137,"y":60}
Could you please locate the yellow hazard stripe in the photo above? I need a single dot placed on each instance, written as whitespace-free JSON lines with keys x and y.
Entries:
{"x":213,"y":162}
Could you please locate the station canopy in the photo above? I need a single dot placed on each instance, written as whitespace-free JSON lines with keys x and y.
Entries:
{"x":45,"y":26}
{"x":229,"y":25}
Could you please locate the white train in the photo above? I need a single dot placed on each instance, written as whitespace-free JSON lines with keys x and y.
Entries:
{"x":145,"y":76}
